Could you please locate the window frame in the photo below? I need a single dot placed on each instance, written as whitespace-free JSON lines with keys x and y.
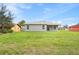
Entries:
{"x":27,"y":27}
{"x":43,"y":26}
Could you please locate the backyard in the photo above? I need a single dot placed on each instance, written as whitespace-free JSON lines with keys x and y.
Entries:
{"x":40,"y":43}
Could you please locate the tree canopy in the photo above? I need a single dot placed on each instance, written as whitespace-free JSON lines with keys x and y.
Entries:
{"x":22,"y":22}
{"x":6,"y":18}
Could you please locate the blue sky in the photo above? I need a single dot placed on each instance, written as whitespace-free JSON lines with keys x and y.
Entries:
{"x":63,"y":13}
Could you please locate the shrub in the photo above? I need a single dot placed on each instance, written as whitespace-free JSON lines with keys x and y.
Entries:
{"x":6,"y":30}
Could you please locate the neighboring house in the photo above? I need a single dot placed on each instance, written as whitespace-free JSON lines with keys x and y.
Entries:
{"x":40,"y":26}
{"x":74,"y":28}
{"x":16,"y":28}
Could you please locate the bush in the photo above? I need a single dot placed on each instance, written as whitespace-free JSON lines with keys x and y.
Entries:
{"x":6,"y":30}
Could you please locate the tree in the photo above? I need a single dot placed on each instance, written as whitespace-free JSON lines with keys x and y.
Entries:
{"x":22,"y":22}
{"x":5,"y":19}
{"x":78,"y":24}
{"x":66,"y":26}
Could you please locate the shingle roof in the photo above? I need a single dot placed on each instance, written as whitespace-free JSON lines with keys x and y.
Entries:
{"x":44,"y":22}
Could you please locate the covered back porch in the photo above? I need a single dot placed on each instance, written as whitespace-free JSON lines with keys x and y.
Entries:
{"x":52,"y":27}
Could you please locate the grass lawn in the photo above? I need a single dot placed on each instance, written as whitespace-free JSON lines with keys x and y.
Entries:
{"x":57,"y":43}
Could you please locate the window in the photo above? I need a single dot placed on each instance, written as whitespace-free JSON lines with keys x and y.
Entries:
{"x":43,"y":27}
{"x":54,"y":27}
{"x":27,"y":26}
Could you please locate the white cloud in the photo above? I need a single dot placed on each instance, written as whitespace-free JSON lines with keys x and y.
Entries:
{"x":17,"y":12}
{"x":40,"y":4}
{"x":58,"y":10}
{"x":59,"y":21}
{"x":13,"y":8}
{"x":69,"y":21}
{"x":47,"y":10}
{"x":25,"y":6}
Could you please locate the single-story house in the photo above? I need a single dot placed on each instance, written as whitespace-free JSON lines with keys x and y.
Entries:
{"x":16,"y":28}
{"x":74,"y":28}
{"x":40,"y":26}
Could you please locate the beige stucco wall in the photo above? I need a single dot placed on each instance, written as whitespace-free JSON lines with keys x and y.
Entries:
{"x":34,"y":28}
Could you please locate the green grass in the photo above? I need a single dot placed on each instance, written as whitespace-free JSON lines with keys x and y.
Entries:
{"x":43,"y":43}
